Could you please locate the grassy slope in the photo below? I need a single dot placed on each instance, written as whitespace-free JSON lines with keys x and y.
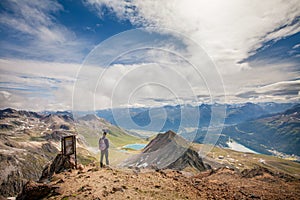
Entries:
{"x":248,"y":160}
{"x":117,"y":138}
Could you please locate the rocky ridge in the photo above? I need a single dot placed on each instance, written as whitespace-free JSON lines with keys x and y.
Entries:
{"x":28,"y":141}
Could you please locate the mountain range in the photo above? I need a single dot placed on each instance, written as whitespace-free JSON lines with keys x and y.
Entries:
{"x":263,"y":127}
{"x":30,"y":140}
{"x":171,"y":115}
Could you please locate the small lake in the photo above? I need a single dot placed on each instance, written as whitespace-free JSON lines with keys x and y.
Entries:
{"x":135,"y":146}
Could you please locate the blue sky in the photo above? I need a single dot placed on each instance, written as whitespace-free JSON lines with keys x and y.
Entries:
{"x":77,"y":20}
{"x":255,"y":50}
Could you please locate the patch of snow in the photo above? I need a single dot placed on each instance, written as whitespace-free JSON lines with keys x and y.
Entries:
{"x":12,"y":151}
{"x":262,"y":161}
{"x":239,"y":147}
{"x":143,"y":165}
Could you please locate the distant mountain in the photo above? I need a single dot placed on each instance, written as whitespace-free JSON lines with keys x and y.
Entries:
{"x":186,"y":116}
{"x":62,"y":113}
{"x":167,"y":151}
{"x":272,"y":108}
{"x":172,"y":116}
{"x":88,"y":117}
{"x":280,"y":132}
{"x":235,"y":115}
{"x":12,"y":113}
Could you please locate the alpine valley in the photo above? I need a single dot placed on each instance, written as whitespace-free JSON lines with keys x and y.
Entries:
{"x":31,"y":141}
{"x":268,"y":128}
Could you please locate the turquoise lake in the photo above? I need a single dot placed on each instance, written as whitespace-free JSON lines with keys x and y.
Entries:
{"x":135,"y":146}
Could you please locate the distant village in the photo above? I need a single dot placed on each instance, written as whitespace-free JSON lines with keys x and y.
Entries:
{"x":292,"y":157}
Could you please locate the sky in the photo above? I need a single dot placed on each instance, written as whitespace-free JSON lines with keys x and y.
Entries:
{"x":96,"y":54}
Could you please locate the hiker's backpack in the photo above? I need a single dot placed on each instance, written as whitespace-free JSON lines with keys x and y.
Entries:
{"x":102,"y":145}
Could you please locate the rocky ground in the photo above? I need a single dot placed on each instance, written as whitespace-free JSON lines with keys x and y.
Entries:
{"x":107,"y":183}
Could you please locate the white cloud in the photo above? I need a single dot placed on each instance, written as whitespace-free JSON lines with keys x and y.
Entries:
{"x":166,"y":82}
{"x":34,"y":18}
{"x":296,"y":46}
{"x":42,"y":36}
{"x":5,"y":94}
{"x":49,"y":86}
{"x":279,"y":91}
{"x":36,"y":85}
{"x":230,"y":31}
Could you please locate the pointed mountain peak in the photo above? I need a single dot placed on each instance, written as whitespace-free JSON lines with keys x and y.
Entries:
{"x":164,"y":139}
{"x":167,"y":150}
{"x":170,"y":133}
{"x":89,"y":117}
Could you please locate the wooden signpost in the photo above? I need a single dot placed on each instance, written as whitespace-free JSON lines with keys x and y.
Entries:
{"x":68,"y":146}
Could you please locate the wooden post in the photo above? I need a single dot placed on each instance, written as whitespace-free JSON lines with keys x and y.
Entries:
{"x":62,"y":146}
{"x":68,"y":147}
{"x":74,"y":139}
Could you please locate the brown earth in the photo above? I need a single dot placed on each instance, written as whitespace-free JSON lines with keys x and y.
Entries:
{"x":95,"y":183}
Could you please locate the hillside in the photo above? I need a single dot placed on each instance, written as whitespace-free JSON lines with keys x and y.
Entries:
{"x":224,"y":157}
{"x":280,"y":132}
{"x":91,"y":127}
{"x":24,"y":148}
{"x":29,"y":140}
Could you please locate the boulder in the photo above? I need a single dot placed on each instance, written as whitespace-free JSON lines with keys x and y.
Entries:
{"x":60,"y":163}
{"x":33,"y":190}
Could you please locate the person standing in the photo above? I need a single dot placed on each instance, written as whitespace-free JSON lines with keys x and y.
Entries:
{"x":103,"y":146}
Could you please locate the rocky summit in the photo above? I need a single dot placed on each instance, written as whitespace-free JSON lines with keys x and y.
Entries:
{"x":111,"y":183}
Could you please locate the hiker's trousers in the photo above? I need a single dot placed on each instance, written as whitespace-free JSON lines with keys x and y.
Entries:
{"x":104,"y":152}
